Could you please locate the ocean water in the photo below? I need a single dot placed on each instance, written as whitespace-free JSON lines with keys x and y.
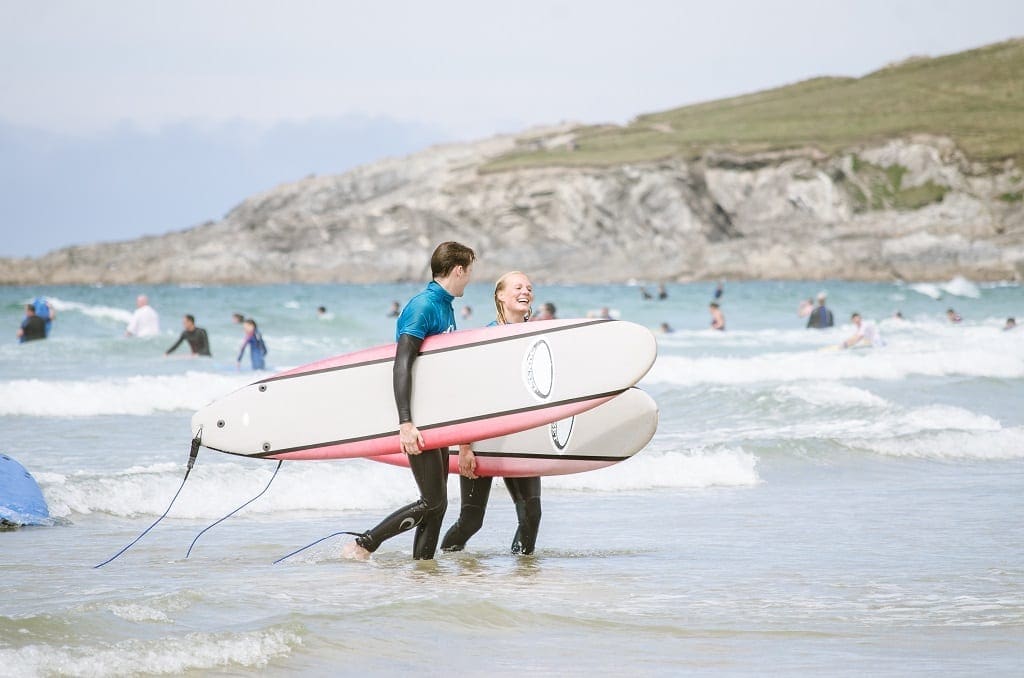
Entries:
{"x":801,"y":510}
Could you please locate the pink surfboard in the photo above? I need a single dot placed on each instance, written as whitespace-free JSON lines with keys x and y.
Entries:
{"x":602,"y":436}
{"x":469,"y":385}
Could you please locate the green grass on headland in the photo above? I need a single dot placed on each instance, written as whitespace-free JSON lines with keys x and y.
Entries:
{"x":975,"y":97}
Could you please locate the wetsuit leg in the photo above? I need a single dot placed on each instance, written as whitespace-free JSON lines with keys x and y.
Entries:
{"x":525,"y":493}
{"x":475,"y":492}
{"x":430,"y":469}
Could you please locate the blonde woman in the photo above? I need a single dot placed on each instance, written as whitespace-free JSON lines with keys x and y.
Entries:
{"x":513,"y":297}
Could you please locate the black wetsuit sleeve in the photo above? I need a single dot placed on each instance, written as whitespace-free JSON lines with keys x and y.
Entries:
{"x":405,"y":356}
{"x":177,"y":343}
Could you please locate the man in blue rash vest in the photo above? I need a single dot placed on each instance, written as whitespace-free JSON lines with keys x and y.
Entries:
{"x":428,"y":313}
{"x":195,"y":336}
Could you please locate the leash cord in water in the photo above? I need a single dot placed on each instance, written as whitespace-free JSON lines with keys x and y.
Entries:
{"x":193,"y":453}
{"x":208,"y":527}
{"x":354,"y":534}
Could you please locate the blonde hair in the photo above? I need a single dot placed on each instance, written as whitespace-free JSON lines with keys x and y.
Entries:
{"x":498,"y":287}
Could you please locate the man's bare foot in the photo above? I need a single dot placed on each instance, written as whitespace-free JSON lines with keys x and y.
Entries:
{"x":353,"y":551}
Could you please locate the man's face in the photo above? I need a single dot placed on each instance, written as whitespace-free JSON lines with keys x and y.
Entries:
{"x":189,"y":325}
{"x":461,"y":276}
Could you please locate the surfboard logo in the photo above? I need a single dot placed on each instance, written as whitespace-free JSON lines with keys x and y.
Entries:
{"x":561,"y":432}
{"x":539,"y":369}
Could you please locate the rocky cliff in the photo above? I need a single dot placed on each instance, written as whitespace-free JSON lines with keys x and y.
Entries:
{"x":910,"y":208}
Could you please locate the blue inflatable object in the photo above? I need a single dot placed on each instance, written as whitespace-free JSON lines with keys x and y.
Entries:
{"x":21,"y":501}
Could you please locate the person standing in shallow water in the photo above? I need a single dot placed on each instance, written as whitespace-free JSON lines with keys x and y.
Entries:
{"x":254,"y":342}
{"x":513,"y":296}
{"x":428,"y":313}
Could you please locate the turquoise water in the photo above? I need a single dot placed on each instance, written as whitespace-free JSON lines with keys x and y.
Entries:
{"x":801,"y":510}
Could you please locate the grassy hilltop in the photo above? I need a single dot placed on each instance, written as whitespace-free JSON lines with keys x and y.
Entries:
{"x":974,"y":97}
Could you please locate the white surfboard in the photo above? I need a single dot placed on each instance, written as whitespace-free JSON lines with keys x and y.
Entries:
{"x":602,"y":436}
{"x":471,"y":385}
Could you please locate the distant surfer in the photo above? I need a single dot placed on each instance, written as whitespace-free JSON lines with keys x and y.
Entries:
{"x":866,"y":334}
{"x":254,"y":342}
{"x":547,"y":312}
{"x":395,"y":309}
{"x":820,"y":317}
{"x":717,"y":317}
{"x":953,"y":316}
{"x":32,"y":327}
{"x":145,"y":321}
{"x":428,"y":313}
{"x":45,"y":311}
{"x":513,"y":297}
{"x":196,"y":337}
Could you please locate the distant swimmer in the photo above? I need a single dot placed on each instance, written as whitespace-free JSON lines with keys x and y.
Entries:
{"x":254,"y":342}
{"x":821,"y":317}
{"x":45,"y":311}
{"x":898,"y":315}
{"x":953,"y":316}
{"x":546,"y":312}
{"x":145,"y":321}
{"x":466,"y":313}
{"x":717,"y":317}
{"x":237,"y":318}
{"x":665,"y":328}
{"x":805,"y":308}
{"x":1011,"y":323}
{"x":719,"y":290}
{"x":32,"y":327}
{"x":195,"y":336}
{"x":644,"y":294}
{"x":395,"y":310}
{"x":321,"y":311}
{"x":867,"y":333}
{"x":662,"y":292}
{"x":604,"y":313}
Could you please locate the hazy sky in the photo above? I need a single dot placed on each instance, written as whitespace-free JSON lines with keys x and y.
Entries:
{"x":119,"y":119}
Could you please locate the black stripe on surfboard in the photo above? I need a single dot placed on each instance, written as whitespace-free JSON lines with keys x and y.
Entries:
{"x":531,"y":455}
{"x":453,"y":422}
{"x":484,"y":342}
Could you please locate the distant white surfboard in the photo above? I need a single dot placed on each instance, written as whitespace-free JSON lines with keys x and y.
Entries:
{"x":602,"y":436}
{"x":469,"y":385}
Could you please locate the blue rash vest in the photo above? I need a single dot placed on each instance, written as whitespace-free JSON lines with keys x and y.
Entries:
{"x":428,"y":313}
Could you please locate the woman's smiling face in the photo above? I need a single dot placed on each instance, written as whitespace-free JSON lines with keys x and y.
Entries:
{"x":516,"y":296}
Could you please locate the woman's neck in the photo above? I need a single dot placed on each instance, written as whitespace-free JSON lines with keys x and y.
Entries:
{"x":514,"y":316}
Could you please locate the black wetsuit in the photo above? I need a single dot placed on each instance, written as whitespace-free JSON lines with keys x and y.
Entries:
{"x":428,"y":313}
{"x":32,"y":328}
{"x":525,"y":494}
{"x":197,"y":341}
{"x":820,"y":318}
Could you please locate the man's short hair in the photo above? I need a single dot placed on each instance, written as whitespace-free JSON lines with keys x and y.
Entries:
{"x":191,"y":318}
{"x":447,"y":256}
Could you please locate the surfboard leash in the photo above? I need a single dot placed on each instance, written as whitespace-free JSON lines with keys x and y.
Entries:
{"x":193,"y":453}
{"x":354,"y":534}
{"x":211,"y":526}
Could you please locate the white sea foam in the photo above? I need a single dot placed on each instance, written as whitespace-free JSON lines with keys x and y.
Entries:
{"x":137,"y":395}
{"x":215,"y":489}
{"x":927,"y":289}
{"x":962,"y":287}
{"x":992,"y":444}
{"x":832,"y":393}
{"x":170,"y":655}
{"x":91,"y":310}
{"x":969,"y":359}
